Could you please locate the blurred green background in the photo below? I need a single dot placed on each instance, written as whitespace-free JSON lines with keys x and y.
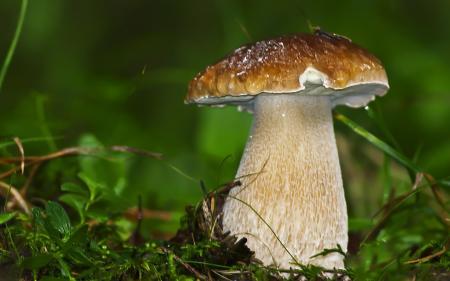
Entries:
{"x":119,"y":70}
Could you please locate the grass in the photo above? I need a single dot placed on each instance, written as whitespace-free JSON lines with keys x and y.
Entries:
{"x":12,"y":47}
{"x":80,"y":234}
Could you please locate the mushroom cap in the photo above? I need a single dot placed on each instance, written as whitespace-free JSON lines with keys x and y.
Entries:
{"x":305,"y":64}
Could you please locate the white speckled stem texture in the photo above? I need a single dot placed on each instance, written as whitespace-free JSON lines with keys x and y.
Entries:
{"x":297,"y":188}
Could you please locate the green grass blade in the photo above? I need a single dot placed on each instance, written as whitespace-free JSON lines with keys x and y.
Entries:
{"x":7,"y":216}
{"x":12,"y":47}
{"x":394,"y":154}
{"x":181,"y":172}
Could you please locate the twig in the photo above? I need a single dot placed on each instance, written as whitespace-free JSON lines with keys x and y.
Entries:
{"x":22,"y":154}
{"x":29,"y":180}
{"x":71,"y":151}
{"x":418,"y":180}
{"x":427,"y":258}
{"x":436,"y":194}
{"x":16,"y":194}
{"x":137,"y":151}
{"x":30,"y":160}
{"x":387,"y":211}
{"x":224,"y":189}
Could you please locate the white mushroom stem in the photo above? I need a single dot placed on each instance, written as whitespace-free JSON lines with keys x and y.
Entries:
{"x":291,"y":177}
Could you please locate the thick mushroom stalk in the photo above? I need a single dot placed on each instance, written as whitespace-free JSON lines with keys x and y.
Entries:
{"x":291,"y":177}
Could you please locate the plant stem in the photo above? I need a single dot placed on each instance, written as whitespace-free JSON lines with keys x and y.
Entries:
{"x":13,"y":45}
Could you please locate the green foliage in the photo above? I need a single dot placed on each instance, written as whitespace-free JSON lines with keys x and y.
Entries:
{"x":98,"y":68}
{"x":51,"y":244}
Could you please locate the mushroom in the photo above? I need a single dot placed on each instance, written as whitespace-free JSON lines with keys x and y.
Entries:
{"x":291,"y":204}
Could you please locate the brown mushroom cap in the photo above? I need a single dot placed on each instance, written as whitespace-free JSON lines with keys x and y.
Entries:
{"x":308,"y":64}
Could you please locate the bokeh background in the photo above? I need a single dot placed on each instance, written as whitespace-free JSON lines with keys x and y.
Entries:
{"x":116,"y":72}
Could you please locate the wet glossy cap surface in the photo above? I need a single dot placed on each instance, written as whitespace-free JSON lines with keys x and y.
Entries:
{"x":309,"y":64}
